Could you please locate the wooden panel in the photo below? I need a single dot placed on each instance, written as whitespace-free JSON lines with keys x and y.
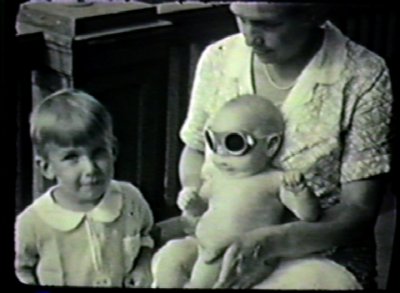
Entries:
{"x":24,"y":158}
{"x":73,"y":20}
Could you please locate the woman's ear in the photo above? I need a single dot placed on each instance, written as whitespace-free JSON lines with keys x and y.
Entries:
{"x":45,"y":168}
{"x":272,"y":144}
{"x":318,"y":15}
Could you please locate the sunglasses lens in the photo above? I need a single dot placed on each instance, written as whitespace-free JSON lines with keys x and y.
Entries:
{"x":234,"y":142}
{"x":209,"y":141}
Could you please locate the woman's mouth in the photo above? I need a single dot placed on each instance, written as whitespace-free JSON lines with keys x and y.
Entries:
{"x":262,"y":52}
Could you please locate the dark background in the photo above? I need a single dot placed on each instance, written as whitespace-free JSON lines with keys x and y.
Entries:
{"x":145,"y":82}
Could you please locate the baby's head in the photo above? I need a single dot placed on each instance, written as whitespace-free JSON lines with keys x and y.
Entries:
{"x":245,"y":135}
{"x":72,"y":135}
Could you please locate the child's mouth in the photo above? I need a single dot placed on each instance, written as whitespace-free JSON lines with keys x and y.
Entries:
{"x":92,"y":183}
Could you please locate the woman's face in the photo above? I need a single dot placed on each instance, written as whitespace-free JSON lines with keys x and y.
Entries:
{"x":275,"y":35}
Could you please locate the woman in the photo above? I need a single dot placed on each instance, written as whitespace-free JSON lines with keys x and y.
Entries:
{"x":336,"y":99}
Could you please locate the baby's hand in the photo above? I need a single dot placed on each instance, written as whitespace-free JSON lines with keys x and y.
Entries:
{"x":298,"y":197}
{"x":187,"y":197}
{"x":190,"y":201}
{"x":293,"y":181}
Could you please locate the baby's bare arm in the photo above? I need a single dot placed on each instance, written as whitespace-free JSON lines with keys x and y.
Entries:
{"x":193,"y":205}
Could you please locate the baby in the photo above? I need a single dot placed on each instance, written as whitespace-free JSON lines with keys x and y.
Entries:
{"x":88,"y":229}
{"x":243,"y":191}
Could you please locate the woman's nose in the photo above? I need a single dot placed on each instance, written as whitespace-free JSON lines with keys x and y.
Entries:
{"x":257,"y":41}
{"x":252,"y":36}
{"x":254,"y":40}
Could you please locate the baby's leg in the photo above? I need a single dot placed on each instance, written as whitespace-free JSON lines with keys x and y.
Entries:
{"x":204,"y":275}
{"x":172,"y":264}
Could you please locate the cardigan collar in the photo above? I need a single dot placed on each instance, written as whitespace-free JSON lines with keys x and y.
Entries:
{"x":106,"y":211}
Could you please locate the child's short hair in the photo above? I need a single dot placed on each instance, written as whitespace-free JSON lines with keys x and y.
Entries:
{"x":66,"y":117}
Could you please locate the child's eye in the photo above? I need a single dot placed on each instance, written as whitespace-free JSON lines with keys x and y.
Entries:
{"x":100,"y":152}
{"x":70,"y":157}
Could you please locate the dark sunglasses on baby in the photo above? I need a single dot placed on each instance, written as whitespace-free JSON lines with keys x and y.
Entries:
{"x":231,"y":143}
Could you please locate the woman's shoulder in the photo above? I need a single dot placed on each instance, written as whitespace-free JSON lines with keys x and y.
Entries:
{"x":230,"y":43}
{"x":364,"y":60}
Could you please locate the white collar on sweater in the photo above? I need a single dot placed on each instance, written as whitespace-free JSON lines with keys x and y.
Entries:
{"x":106,"y":211}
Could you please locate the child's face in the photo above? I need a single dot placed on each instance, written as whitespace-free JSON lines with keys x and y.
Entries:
{"x":253,"y":161}
{"x":83,"y":172}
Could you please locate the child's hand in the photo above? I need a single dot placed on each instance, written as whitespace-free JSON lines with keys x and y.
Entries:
{"x":190,"y":201}
{"x":140,"y":277}
{"x":293,"y":181}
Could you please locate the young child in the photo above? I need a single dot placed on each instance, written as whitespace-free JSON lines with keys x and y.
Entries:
{"x":88,"y":229}
{"x":243,"y":191}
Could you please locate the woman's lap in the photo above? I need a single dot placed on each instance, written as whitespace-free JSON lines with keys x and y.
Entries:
{"x":310,"y":273}
{"x":178,"y":256}
{"x":172,"y":264}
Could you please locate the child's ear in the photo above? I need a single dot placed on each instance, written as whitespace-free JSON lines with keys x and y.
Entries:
{"x":272,"y":144}
{"x":45,"y":168}
{"x":115,"y":148}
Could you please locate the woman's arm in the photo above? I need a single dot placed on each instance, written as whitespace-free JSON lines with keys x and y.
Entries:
{"x":345,"y":222}
{"x":351,"y":219}
{"x":190,"y":164}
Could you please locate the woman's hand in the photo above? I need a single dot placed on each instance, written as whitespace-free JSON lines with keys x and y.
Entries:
{"x":245,"y":262}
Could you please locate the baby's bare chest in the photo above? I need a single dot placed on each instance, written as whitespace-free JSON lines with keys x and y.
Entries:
{"x":244,"y":193}
{"x":241,"y":205}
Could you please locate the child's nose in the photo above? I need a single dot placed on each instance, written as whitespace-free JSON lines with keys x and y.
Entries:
{"x":88,"y":165}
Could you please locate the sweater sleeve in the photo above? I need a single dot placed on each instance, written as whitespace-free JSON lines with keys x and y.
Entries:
{"x":26,"y":253}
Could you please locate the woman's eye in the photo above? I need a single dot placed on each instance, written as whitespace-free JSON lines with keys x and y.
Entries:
{"x":270,"y":25}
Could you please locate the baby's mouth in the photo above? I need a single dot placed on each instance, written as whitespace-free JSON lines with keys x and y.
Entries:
{"x":225,"y":167}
